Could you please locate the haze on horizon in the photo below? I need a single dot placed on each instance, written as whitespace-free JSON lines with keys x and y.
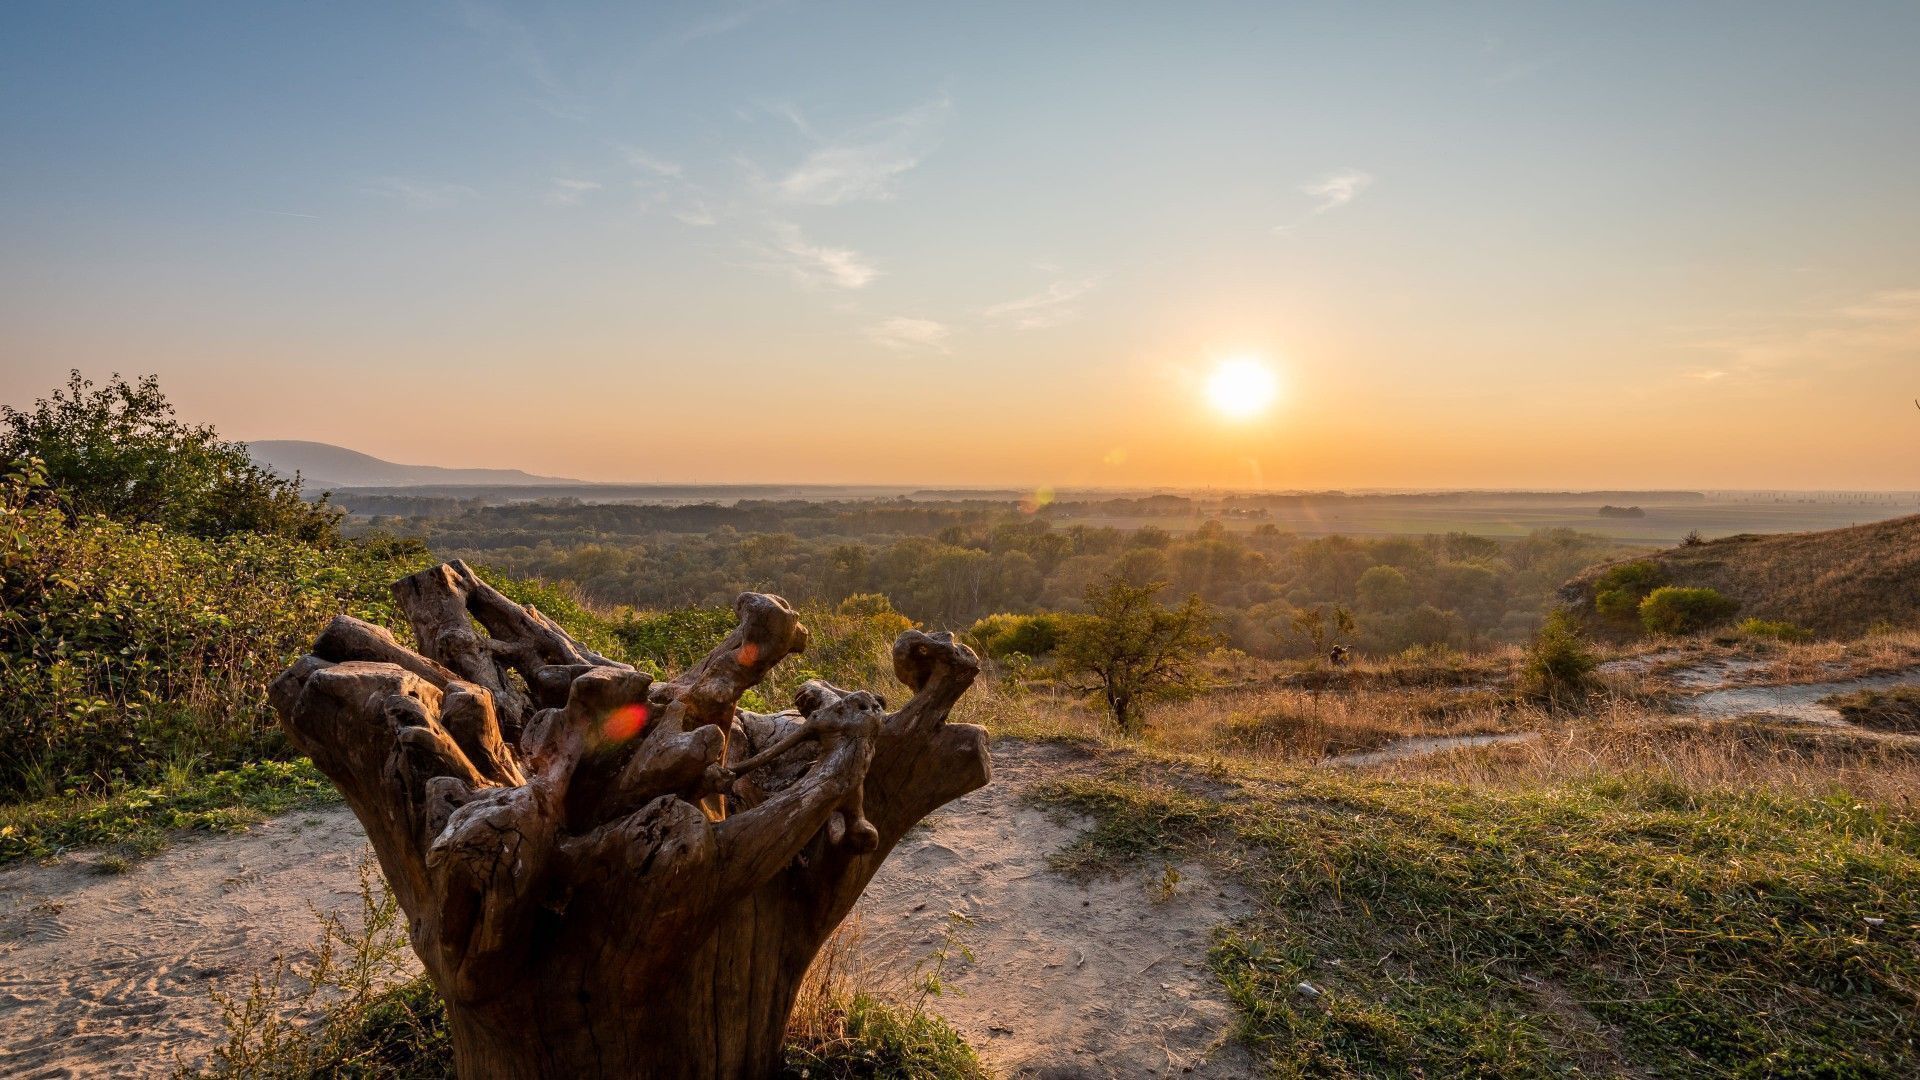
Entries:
{"x":1482,"y":245}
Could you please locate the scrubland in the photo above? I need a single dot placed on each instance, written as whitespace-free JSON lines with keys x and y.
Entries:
{"x":1469,"y":855}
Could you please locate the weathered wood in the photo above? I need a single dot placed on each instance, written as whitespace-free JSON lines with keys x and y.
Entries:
{"x":603,"y":875}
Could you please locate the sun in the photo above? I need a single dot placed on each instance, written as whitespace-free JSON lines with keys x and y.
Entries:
{"x":1242,"y":388}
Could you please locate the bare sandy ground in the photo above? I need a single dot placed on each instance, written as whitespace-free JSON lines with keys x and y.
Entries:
{"x":110,"y":974}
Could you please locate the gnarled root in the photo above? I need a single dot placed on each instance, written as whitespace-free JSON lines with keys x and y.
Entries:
{"x":603,"y":877}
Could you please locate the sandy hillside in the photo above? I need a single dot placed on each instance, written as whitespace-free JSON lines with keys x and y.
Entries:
{"x":110,"y":973}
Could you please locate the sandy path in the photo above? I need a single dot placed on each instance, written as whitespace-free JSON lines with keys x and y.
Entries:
{"x":109,"y":974}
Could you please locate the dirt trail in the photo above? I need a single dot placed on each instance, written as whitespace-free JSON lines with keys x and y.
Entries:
{"x":110,"y":974}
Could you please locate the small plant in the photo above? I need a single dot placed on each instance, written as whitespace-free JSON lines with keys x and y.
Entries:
{"x":1679,"y":609}
{"x":1167,"y":886}
{"x":373,"y":1020}
{"x":1776,"y":629}
{"x":1559,"y":665}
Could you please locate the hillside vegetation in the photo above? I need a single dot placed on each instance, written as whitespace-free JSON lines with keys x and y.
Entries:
{"x":1838,"y":582}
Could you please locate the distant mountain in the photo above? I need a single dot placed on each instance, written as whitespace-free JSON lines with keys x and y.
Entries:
{"x":323,"y":466}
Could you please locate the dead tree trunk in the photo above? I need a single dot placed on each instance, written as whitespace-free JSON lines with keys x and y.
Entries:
{"x":603,"y":875}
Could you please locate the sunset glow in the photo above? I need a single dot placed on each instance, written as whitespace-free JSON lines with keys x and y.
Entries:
{"x":1242,"y":388}
{"x":755,"y":214}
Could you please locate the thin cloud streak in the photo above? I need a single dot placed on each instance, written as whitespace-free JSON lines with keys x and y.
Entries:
{"x":567,"y":191}
{"x":865,"y":164}
{"x":724,"y":23}
{"x":906,"y":335}
{"x":814,"y":264}
{"x":1337,"y":188}
{"x":421,"y":194}
{"x":1053,"y":307}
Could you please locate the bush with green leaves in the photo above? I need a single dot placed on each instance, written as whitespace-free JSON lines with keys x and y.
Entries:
{"x":1617,"y":593}
{"x":1005,"y":634}
{"x":1559,"y":665}
{"x":118,"y":451}
{"x":1678,"y":609}
{"x":126,"y":647}
{"x":1776,"y":629}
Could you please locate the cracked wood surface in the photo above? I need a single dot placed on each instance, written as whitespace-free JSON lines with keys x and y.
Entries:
{"x":606,"y":875}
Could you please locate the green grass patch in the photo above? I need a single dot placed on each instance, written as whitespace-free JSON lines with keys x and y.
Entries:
{"x":1427,"y":929}
{"x":864,"y":1036}
{"x":140,"y":820}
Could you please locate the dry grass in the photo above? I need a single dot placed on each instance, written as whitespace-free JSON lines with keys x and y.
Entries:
{"x":1300,"y":726}
{"x":1842,"y":581}
{"x":1653,"y":669}
{"x":1716,"y":756}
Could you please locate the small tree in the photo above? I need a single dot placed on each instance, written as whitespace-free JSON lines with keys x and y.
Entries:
{"x":1323,"y":625}
{"x":1134,"y":647}
{"x":117,"y":450}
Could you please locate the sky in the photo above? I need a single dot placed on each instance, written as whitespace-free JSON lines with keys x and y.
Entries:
{"x":1476,"y":245}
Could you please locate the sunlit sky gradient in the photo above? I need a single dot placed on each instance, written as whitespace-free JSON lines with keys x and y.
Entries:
{"x":1510,"y":245}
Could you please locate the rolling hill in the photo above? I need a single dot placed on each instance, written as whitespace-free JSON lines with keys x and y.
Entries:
{"x":1839,"y":581}
{"x":323,"y":466}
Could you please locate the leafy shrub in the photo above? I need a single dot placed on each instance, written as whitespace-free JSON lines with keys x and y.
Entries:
{"x":125,"y":647}
{"x":1029,"y":635}
{"x":117,"y":451}
{"x":669,"y":641}
{"x":1778,"y":630}
{"x":1677,"y":609}
{"x":1617,"y":593}
{"x":1559,"y":665}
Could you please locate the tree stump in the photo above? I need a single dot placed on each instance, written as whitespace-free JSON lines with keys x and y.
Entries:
{"x":607,"y":876}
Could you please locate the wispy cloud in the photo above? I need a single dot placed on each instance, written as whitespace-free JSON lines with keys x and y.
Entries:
{"x":421,"y":194}
{"x":1330,"y":192}
{"x":697,"y":214}
{"x":649,"y":164}
{"x":1051,"y":307}
{"x":567,"y":191}
{"x":289,"y":213}
{"x":908,"y":335}
{"x":1337,"y":188}
{"x":863,"y":164}
{"x":815,"y":264}
{"x":524,"y":51}
{"x":723,"y":23}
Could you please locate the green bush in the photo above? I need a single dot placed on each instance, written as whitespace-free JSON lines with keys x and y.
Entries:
{"x":1677,"y":609}
{"x":1617,"y":593}
{"x":1778,"y":630}
{"x":1559,"y":665}
{"x":669,"y":641}
{"x":1029,"y":635}
{"x":125,"y":647}
{"x":117,"y":451}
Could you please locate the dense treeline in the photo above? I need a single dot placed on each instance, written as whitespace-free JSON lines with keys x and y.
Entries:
{"x":950,"y":564}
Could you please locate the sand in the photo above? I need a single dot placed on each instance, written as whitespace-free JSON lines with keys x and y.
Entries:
{"x":110,"y":974}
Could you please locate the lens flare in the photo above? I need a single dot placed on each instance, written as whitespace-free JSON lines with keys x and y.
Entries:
{"x":625,"y":722}
{"x":1242,"y":388}
{"x":1032,"y":503}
